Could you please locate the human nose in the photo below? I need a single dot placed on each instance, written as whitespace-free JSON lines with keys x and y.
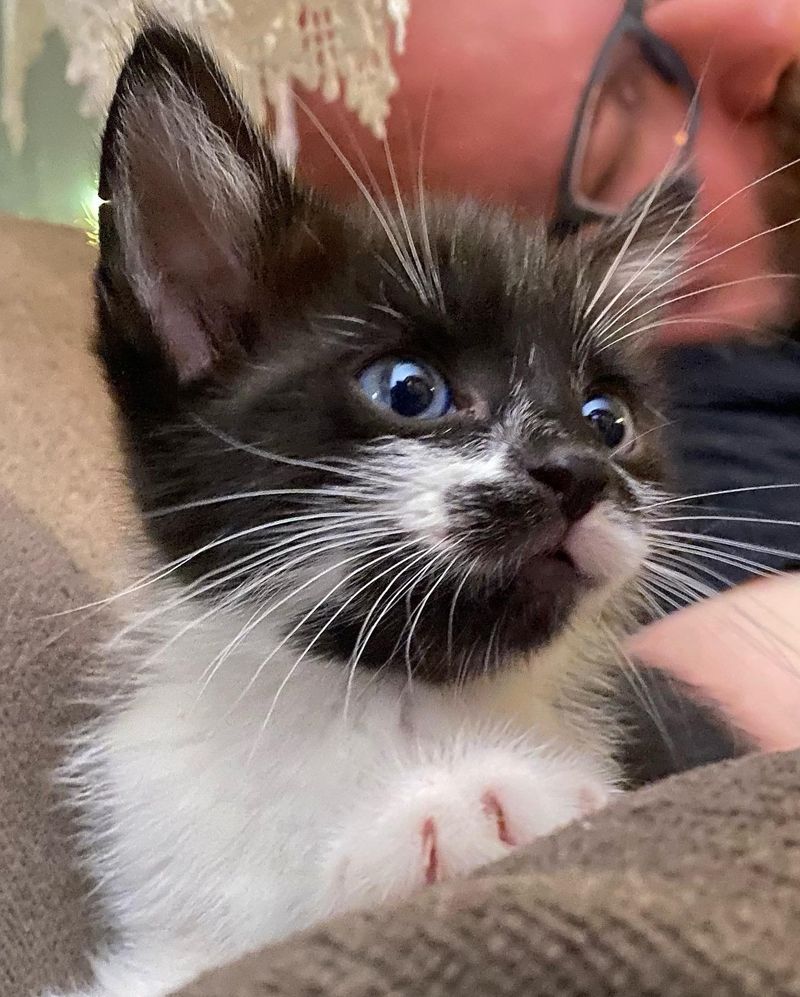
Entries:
{"x":739,"y":49}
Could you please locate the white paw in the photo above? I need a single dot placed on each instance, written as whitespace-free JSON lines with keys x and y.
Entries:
{"x":447,"y":818}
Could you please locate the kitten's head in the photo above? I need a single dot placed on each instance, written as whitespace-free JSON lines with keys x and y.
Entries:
{"x":421,"y":440}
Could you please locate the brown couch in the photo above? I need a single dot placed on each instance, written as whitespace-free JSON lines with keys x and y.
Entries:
{"x":691,"y":887}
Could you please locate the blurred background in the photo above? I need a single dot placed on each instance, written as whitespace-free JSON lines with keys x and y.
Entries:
{"x":52,"y":177}
{"x":59,"y":60}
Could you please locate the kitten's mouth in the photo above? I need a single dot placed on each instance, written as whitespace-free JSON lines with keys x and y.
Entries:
{"x":550,"y":574}
{"x":558,"y":560}
{"x":536,"y":582}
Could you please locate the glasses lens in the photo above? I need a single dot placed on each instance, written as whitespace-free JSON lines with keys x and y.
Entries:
{"x":634,"y":129}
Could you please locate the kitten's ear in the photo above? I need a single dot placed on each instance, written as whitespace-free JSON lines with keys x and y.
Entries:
{"x":201,"y":221}
{"x":642,"y":250}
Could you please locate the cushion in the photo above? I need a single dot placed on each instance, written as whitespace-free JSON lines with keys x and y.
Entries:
{"x":58,"y":456}
{"x":44,"y":926}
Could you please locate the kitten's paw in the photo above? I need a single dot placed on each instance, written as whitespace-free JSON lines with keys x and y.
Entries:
{"x":446,"y":819}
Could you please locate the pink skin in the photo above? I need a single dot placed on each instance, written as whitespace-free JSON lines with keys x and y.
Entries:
{"x":500,"y":82}
{"x":741,"y":650}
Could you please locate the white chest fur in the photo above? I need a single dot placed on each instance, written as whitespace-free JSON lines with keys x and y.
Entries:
{"x":223,"y":811}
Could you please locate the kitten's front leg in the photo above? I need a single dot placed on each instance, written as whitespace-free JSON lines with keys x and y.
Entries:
{"x":451,"y":815}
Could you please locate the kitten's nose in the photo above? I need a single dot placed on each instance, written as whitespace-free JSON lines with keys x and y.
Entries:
{"x":578,"y":480}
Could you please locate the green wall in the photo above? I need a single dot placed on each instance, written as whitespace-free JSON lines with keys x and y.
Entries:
{"x":53,"y":175}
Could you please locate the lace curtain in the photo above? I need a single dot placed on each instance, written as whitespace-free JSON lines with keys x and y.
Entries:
{"x":340,"y":47}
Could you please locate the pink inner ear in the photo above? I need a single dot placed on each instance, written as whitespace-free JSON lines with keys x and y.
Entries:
{"x":188,"y":212}
{"x":198,"y":274}
{"x":187,"y":342}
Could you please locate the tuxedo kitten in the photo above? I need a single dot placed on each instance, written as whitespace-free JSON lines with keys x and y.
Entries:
{"x":395,"y":471}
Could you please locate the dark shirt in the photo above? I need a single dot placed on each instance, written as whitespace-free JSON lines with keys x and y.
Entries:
{"x":737,"y":425}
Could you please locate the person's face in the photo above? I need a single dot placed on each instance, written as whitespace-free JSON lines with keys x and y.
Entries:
{"x":499,"y":84}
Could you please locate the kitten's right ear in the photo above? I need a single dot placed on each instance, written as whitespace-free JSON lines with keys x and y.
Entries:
{"x":202,"y":226}
{"x":644,"y":248}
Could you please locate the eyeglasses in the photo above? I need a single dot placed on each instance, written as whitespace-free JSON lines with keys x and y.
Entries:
{"x":636,"y":120}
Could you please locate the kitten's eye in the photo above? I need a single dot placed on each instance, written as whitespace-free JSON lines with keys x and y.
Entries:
{"x":410,"y":388}
{"x":610,"y":418}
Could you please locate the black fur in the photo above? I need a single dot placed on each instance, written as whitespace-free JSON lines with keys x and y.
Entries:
{"x":277,"y":377}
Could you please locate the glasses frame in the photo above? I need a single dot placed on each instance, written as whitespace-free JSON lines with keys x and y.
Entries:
{"x":570,"y":214}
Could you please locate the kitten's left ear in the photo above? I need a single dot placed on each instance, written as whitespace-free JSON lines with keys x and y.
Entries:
{"x":202,"y":226}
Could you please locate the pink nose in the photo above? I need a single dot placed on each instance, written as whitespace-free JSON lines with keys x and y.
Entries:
{"x":739,"y":49}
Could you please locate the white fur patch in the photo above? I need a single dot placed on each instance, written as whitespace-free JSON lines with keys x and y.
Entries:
{"x":209,"y":829}
{"x":416,"y":477}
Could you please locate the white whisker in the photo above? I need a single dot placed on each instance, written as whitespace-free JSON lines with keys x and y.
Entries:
{"x":282,"y":458}
{"x":717,"y":207}
{"x":702,"y":540}
{"x":654,"y":256}
{"x":422,"y":207}
{"x":451,"y":615}
{"x":387,"y":552}
{"x":720,"y":557}
{"x":164,"y":571}
{"x":401,"y":208}
{"x":382,"y":218}
{"x":715,"y":494}
{"x":669,"y":556}
{"x":424,"y":602}
{"x":612,"y":338}
{"x":261,"y":613}
{"x":727,"y":519}
{"x":254,"y":584}
{"x":379,"y":613}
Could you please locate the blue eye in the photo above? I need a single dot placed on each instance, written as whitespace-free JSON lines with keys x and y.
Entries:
{"x":410,"y":388}
{"x":610,"y":418}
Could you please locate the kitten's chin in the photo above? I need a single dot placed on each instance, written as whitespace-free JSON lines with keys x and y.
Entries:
{"x":541,"y":600}
{"x":550,"y":578}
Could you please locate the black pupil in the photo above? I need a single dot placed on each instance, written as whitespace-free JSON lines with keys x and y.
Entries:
{"x":610,"y":426}
{"x":412,"y":395}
